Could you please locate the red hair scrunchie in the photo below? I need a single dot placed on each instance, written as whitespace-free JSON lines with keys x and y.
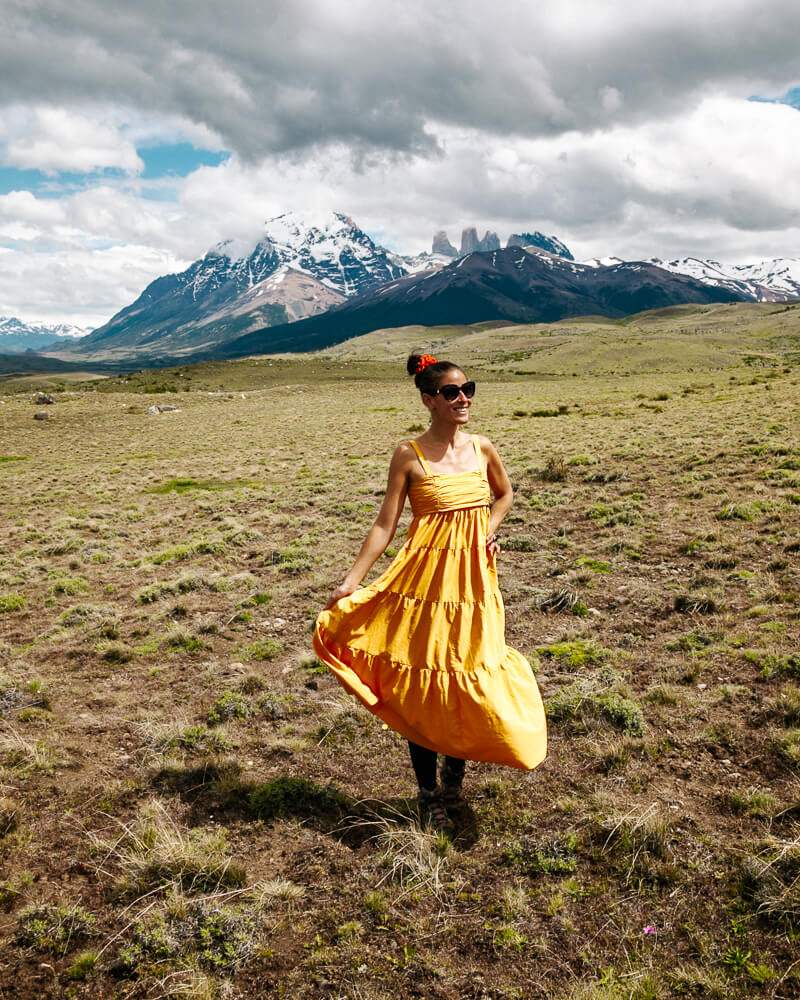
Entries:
{"x":424,"y":361}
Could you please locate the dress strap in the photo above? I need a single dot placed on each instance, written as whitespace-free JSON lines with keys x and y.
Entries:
{"x":421,"y":457}
{"x":476,"y":444}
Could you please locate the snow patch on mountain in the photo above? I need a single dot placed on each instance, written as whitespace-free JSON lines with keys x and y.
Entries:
{"x":768,"y":281}
{"x":329,"y":247}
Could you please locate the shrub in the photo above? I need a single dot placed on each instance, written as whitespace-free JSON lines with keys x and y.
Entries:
{"x":548,"y":856}
{"x":230,"y":705}
{"x":581,"y":701}
{"x":294,"y":797}
{"x":11,"y":601}
{"x":54,"y":929}
{"x":218,"y":937}
{"x":555,"y":469}
{"x":519,"y":543}
{"x":770,"y":664}
{"x":261,"y":649}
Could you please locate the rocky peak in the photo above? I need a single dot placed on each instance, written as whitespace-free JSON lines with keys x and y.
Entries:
{"x":441,"y":244}
{"x":549,"y":243}
{"x":469,"y":241}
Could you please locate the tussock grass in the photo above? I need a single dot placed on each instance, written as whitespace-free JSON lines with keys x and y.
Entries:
{"x":786,"y":706}
{"x":415,"y":858}
{"x":564,"y":600}
{"x":21,"y":756}
{"x":642,"y":840}
{"x":163,"y":739}
{"x":154,"y":852}
{"x":771,"y":881}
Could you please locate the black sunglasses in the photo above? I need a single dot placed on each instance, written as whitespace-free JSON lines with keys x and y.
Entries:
{"x":451,"y":392}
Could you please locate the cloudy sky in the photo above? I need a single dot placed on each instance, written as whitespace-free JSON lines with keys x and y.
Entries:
{"x":135,"y":136}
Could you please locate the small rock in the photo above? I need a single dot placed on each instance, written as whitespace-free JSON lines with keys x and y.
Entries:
{"x":41,"y":415}
{"x":43,"y":399}
{"x":165,"y":408}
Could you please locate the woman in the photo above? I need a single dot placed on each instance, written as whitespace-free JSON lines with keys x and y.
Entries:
{"x":423,"y":646}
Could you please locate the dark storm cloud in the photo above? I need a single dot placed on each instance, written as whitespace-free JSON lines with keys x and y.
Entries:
{"x":274,"y":77}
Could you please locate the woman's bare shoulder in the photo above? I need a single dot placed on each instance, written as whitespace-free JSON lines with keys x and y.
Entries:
{"x":404,"y":454}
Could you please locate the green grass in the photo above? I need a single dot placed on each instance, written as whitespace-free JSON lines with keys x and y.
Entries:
{"x":575,"y":653}
{"x":11,"y":601}
{"x":186,"y":485}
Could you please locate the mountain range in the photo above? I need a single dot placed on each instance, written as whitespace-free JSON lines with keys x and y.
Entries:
{"x":516,"y":284}
{"x":305,"y":284}
{"x":18,"y":336}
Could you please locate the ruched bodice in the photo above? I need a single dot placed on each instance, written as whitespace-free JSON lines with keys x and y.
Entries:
{"x":441,"y":492}
{"x":423,"y":646}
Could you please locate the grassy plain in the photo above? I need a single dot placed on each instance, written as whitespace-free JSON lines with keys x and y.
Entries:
{"x":190,"y":806}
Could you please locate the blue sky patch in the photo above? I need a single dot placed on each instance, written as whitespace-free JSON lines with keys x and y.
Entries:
{"x":44,"y":185}
{"x":791,"y":97}
{"x":177,"y":160}
{"x":167,"y":162}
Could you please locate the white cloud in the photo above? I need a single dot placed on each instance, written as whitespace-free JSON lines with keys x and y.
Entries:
{"x":620,"y":128}
{"x":93,"y":283}
{"x":56,"y":140}
{"x":274,"y":77}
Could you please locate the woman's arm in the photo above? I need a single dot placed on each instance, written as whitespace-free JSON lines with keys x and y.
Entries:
{"x":500,"y":486}
{"x":382,"y":531}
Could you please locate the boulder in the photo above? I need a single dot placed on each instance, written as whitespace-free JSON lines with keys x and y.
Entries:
{"x":41,"y":415}
{"x":43,"y":399}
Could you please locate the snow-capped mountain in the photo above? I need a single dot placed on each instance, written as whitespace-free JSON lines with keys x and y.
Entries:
{"x":17,"y":336}
{"x":514,"y":284}
{"x":549,"y":243}
{"x":769,"y":281}
{"x":298,"y":267}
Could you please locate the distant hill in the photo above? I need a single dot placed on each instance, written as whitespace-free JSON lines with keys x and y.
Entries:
{"x":30,"y":363}
{"x":514,"y":284}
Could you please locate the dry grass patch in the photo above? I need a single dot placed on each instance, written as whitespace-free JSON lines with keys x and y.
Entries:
{"x":154,"y":852}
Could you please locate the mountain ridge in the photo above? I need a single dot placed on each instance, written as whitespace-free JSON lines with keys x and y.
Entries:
{"x":520,"y":285}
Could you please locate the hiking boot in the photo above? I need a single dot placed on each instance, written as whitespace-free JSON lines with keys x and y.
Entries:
{"x":452,"y":781}
{"x":432,"y":812}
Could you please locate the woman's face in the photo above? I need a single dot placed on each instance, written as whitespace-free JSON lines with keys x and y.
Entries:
{"x":456,"y":412}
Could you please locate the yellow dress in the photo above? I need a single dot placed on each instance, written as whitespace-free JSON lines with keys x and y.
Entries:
{"x":423,"y":646}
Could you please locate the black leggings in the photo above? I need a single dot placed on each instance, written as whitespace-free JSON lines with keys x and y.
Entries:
{"x":424,"y":763}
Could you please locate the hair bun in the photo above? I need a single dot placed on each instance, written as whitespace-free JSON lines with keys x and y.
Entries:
{"x":419,"y":362}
